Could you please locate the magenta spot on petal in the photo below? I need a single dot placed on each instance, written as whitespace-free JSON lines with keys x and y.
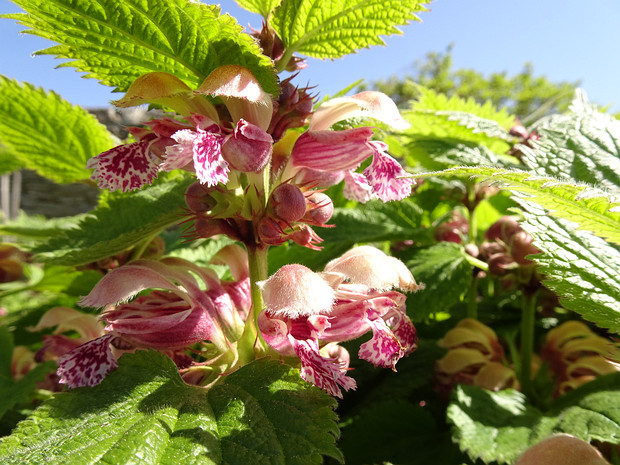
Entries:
{"x":125,"y":167}
{"x":87,"y":364}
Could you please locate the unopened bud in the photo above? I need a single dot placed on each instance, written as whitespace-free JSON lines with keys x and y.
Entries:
{"x":288,"y":203}
{"x":320,"y":209}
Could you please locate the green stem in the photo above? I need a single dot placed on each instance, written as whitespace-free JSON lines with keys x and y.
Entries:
{"x":472,"y":299}
{"x":528,"y":318}
{"x":257,"y":260}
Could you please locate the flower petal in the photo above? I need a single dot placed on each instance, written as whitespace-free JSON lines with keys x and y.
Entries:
{"x":320,"y":371}
{"x":387,"y":178}
{"x":356,"y":187}
{"x":333,"y":150}
{"x":369,"y":104}
{"x":87,"y":364}
{"x":125,"y":167}
{"x":384,"y":349}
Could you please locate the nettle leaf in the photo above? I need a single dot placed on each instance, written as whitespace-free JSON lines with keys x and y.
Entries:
{"x":47,"y":134}
{"x":9,"y":161}
{"x":376,"y":222}
{"x":491,"y":426}
{"x":581,"y":268}
{"x":436,"y":154}
{"x":446,"y":274}
{"x":590,"y":208}
{"x":591,"y":412}
{"x":117,"y":42}
{"x":435,"y":116}
{"x":499,"y":426}
{"x":263,"y":413}
{"x":262,"y":7}
{"x":117,"y":224}
{"x":582,"y":144}
{"x":328,"y":29}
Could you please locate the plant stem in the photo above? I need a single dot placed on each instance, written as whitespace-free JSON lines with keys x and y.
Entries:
{"x":472,"y":299}
{"x":257,"y":260}
{"x":528,"y":317}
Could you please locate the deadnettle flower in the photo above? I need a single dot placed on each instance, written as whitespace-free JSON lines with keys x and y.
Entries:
{"x":306,"y":314}
{"x":326,"y":151}
{"x":475,"y":357}
{"x":188,"y":305}
{"x":577,"y":355}
{"x":203,"y":143}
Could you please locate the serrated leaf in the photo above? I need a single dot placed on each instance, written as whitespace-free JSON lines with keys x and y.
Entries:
{"x":499,"y":426}
{"x":124,"y":221}
{"x":581,"y":268}
{"x":144,"y":413}
{"x":491,"y":426}
{"x":262,"y":7}
{"x":593,"y":209}
{"x":582,"y":144}
{"x":19,"y":391}
{"x":8,"y":161}
{"x":48,"y":134}
{"x":434,"y":116}
{"x":446,"y":274}
{"x":591,"y":412}
{"x":437,"y":154}
{"x":329,"y":29}
{"x":117,"y":42}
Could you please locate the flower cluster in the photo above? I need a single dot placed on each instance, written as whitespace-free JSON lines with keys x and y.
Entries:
{"x":259,"y":177}
{"x":306,"y":314}
{"x":577,"y":355}
{"x":475,"y":357}
{"x":188,"y":305}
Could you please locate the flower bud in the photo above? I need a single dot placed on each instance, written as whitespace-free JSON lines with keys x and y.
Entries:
{"x":319,"y":209}
{"x":197,"y":198}
{"x":288,"y":203}
{"x":521,"y":246}
{"x":503,"y":229}
{"x":562,"y":449}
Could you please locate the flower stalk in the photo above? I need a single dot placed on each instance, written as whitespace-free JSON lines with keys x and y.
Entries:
{"x":527,"y":339}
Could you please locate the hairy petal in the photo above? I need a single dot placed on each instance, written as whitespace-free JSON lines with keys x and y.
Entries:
{"x":125,"y":167}
{"x":333,"y":150}
{"x":87,"y":364}
{"x":388,"y":179}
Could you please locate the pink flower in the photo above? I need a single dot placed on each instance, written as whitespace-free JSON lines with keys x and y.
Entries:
{"x":323,"y":150}
{"x":190,"y":305}
{"x":197,"y":145}
{"x":304,"y":310}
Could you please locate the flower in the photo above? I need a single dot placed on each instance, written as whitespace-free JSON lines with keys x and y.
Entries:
{"x":205,"y":143}
{"x":306,"y":314}
{"x":323,"y":150}
{"x":188,"y":305}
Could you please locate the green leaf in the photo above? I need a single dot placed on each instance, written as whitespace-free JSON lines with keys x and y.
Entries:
{"x":591,"y":412}
{"x":491,"y":426}
{"x":499,"y":426}
{"x":117,"y":42}
{"x":9,"y":161}
{"x":119,"y":223}
{"x":582,"y":144}
{"x":328,"y":29}
{"x":581,"y":268}
{"x":434,"y":116}
{"x":19,"y":391}
{"x":446,"y":274}
{"x":143,"y":411}
{"x":592,"y":209}
{"x":262,"y":7}
{"x":48,"y":134}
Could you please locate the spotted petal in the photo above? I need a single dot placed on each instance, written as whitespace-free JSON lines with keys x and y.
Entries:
{"x":384,"y":349}
{"x":321,"y":371}
{"x":125,"y":167}
{"x":388,"y":179}
{"x":87,"y":364}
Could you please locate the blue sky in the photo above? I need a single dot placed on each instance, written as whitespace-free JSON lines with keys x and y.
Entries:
{"x":563,"y":39}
